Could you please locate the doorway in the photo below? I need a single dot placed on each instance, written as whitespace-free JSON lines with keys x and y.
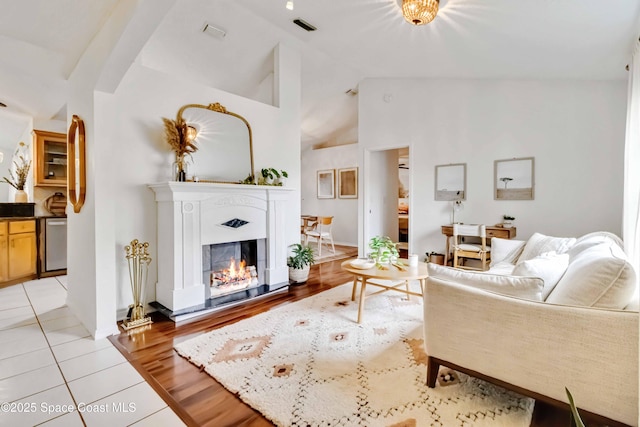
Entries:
{"x":386,"y":202}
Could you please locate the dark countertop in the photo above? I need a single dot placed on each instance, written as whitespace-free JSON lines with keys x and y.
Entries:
{"x":22,"y":218}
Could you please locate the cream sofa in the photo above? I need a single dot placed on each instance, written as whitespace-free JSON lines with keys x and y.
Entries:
{"x":515,"y":327}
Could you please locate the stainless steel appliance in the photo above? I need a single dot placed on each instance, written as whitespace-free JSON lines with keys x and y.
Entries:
{"x":55,"y":244}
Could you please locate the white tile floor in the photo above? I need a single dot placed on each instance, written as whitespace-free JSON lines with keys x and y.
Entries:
{"x":52,"y":373}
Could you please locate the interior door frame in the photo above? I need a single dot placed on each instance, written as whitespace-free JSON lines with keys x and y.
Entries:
{"x":364,"y":188}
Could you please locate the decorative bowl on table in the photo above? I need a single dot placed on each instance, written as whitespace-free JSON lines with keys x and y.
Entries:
{"x":362,"y":263}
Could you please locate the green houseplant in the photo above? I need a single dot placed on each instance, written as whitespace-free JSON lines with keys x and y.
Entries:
{"x":272,"y":176}
{"x":507,"y":220}
{"x":299,"y":263}
{"x":384,"y":251}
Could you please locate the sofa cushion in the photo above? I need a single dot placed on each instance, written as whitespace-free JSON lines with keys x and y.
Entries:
{"x":505,"y":250}
{"x":523,"y":287}
{"x":539,"y":244}
{"x":599,"y":276}
{"x":549,"y":266}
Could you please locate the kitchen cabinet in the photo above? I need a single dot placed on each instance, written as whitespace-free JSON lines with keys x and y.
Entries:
{"x":50,"y":159}
{"x":17,"y":250}
{"x":4,"y":254}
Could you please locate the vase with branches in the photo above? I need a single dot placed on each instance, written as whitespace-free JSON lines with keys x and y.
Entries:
{"x":19,"y":180}
{"x":181,"y":139}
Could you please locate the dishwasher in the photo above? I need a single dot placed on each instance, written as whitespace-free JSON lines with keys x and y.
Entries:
{"x":55,"y":244}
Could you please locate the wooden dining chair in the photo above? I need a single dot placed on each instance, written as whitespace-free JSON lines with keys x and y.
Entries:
{"x":322,"y":231}
{"x":463,"y":250}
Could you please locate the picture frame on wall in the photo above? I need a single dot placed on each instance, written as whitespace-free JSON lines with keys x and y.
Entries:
{"x":326,"y":184}
{"x":451,"y":182}
{"x":348,"y":183}
{"x":514,"y":179}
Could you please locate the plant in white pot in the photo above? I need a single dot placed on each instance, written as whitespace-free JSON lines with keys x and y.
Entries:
{"x":507,"y":221}
{"x":384,"y":252}
{"x":299,"y":263}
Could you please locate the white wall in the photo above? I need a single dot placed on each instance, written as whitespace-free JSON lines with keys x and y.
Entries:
{"x":574,"y":129}
{"x":344,"y":211}
{"x":144,"y":157}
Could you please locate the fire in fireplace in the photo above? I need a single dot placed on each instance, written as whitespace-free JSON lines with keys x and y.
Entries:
{"x":233,"y":267}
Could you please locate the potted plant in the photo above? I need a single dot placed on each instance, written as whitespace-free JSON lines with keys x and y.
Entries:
{"x":272,"y":176}
{"x":20,"y":179}
{"x":507,"y":221}
{"x":299,"y":263}
{"x":384,"y":251}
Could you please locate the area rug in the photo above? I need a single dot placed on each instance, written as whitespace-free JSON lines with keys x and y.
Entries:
{"x":308,"y":363}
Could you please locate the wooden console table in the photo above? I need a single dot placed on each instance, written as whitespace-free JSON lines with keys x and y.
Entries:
{"x":500,"y":232}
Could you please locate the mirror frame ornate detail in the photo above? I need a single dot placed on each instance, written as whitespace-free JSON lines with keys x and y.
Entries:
{"x":218,"y":108}
{"x":80,"y":180}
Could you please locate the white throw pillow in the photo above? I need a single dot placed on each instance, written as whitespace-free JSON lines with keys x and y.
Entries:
{"x":505,"y":250}
{"x":522,"y":287}
{"x":549,"y":266}
{"x":539,"y":244}
{"x":599,"y":276}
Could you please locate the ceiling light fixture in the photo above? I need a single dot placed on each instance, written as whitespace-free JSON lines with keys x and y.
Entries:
{"x":290,"y":4}
{"x":419,"y":12}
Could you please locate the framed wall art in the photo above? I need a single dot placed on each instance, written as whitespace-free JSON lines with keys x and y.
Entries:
{"x":348,"y":183}
{"x":513,"y":179}
{"x":451,"y":182}
{"x":326,"y":184}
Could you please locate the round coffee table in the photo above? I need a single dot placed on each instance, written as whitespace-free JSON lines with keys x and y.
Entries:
{"x":392,"y":273}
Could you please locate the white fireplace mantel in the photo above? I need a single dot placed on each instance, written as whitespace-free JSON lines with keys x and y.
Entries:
{"x":192,"y":214}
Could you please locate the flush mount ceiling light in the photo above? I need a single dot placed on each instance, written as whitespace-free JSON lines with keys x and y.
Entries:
{"x":419,"y":12}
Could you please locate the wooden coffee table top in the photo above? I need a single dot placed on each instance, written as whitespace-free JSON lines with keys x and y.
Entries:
{"x":392,"y":273}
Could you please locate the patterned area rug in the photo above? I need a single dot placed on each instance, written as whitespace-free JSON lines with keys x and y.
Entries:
{"x":309,"y":363}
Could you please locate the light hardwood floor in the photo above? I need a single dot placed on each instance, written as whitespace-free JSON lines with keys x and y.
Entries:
{"x":200,"y":400}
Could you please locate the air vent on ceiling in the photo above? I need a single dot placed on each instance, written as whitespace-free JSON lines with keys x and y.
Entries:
{"x":304,"y":24}
{"x":214,"y":31}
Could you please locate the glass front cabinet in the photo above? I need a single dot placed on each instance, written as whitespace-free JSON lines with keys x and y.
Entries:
{"x":50,"y":159}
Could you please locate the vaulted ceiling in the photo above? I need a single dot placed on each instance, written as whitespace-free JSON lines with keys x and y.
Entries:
{"x":42,"y":40}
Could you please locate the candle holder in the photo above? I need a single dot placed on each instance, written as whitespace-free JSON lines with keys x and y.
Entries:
{"x":138,"y":259}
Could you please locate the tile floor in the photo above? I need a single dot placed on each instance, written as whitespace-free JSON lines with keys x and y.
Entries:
{"x":52,"y":373}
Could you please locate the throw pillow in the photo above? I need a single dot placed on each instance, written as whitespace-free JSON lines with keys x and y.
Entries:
{"x":539,"y":244}
{"x":522,"y":287}
{"x":600,"y":276}
{"x":505,"y":250}
{"x":549,"y":266}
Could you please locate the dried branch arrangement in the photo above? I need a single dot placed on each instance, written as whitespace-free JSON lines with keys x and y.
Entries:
{"x":176,"y":134}
{"x":22,"y":170}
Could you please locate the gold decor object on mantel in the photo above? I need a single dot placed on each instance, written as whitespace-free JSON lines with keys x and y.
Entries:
{"x":420,"y":12}
{"x":138,"y":259}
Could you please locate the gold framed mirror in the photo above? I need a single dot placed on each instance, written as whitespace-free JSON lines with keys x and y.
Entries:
{"x":76,"y":164}
{"x":224,"y":141}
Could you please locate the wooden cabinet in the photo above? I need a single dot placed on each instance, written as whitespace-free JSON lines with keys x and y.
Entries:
{"x":17,"y":250}
{"x":4,"y":254}
{"x":50,"y":159}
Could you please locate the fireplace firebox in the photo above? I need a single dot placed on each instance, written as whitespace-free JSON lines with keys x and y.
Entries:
{"x":233,"y":266}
